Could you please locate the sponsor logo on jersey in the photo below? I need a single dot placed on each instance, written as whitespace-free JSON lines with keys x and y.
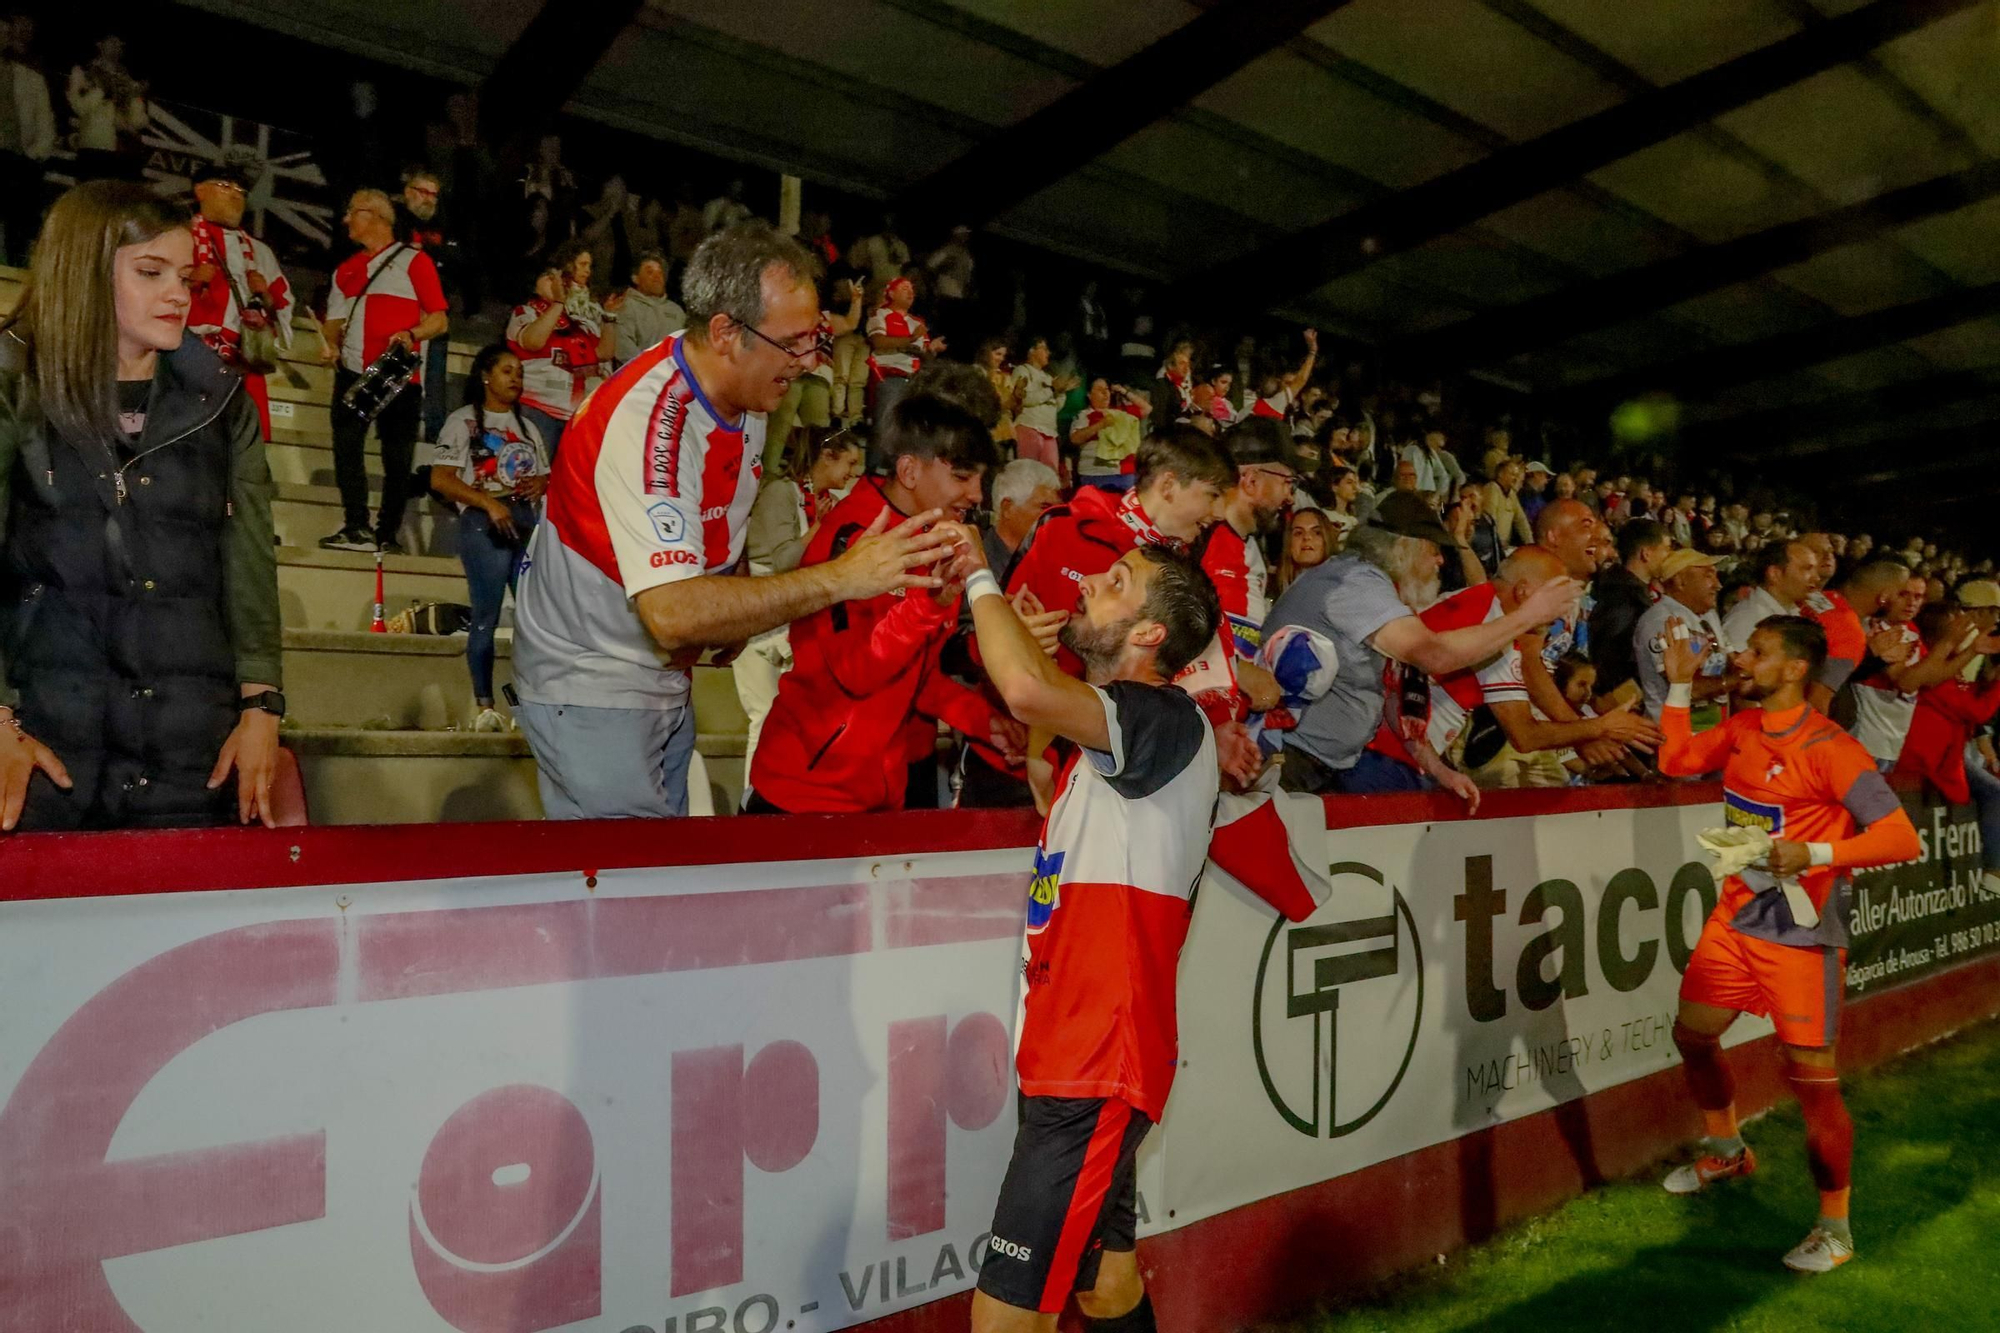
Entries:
{"x":661,"y":559}
{"x":1740,"y":811}
{"x":667,"y":523}
{"x":1013,"y":1250}
{"x":1044,"y":889}
{"x":663,"y":445}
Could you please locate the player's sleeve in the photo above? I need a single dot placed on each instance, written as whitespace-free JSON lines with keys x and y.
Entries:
{"x":1156,"y":732}
{"x":1845,"y":647}
{"x":1686,"y":755}
{"x":424,"y":279}
{"x":454,"y":442}
{"x":1886,"y":834}
{"x":649,"y":491}
{"x":878,"y":321}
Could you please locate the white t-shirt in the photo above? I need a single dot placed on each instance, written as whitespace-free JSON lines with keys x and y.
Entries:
{"x":505,"y":450}
{"x":1744,"y":617}
{"x":650,"y":487}
{"x":1038,"y":401}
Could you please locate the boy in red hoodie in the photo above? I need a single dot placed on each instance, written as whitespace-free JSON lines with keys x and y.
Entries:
{"x":1181,"y":475}
{"x":864,"y":696}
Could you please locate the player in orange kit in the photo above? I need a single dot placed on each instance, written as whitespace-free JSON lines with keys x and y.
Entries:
{"x":1770,"y":947}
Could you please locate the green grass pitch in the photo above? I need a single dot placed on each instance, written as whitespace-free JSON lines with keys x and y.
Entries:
{"x":1632,"y":1259}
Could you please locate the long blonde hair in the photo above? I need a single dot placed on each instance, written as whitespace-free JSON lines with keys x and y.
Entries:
{"x":68,"y":313}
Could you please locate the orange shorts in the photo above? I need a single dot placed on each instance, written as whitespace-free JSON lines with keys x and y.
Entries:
{"x":1797,"y":988}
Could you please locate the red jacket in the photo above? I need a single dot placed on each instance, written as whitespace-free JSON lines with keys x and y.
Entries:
{"x":865,"y":691}
{"x":1945,"y":719}
{"x":1072,"y":542}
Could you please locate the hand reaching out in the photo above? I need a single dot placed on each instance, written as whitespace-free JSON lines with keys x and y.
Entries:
{"x":1683,"y":654}
{"x":1046,"y":626}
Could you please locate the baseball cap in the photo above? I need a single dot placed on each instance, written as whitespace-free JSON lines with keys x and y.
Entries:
{"x":1979,"y":595}
{"x":1407,"y":515}
{"x":1539,"y":466}
{"x":1680,"y":562}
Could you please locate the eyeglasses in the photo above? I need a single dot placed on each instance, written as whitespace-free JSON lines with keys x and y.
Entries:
{"x":1286,"y":475}
{"x":815,"y":346}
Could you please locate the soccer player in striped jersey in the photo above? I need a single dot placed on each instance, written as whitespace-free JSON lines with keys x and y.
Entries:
{"x":1776,"y":941}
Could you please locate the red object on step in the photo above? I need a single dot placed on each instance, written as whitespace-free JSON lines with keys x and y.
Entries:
{"x":378,"y":625}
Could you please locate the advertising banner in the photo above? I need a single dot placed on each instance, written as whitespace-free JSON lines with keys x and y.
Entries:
{"x":1911,"y":920}
{"x":779,"y":1095}
{"x":1462,"y":974}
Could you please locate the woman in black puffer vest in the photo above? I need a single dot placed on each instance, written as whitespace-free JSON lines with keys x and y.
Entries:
{"x":139,"y":632}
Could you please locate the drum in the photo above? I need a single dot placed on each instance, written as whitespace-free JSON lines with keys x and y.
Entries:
{"x":388,"y":375}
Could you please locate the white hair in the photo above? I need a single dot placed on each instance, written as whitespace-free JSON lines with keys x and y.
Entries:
{"x":1021,"y":479}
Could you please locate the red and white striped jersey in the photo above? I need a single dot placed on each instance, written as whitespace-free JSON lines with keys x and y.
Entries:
{"x":1455,"y":696}
{"x":895,"y":324}
{"x":1110,"y":902}
{"x":1883,"y":713}
{"x":213,"y":313}
{"x":555,"y":379}
{"x":405,"y":289}
{"x":651,"y":486}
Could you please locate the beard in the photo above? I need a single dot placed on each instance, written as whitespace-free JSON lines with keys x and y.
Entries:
{"x":1419,"y":592}
{"x":1098,"y":645}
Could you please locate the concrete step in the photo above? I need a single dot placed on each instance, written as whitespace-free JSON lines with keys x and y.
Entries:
{"x":413,"y":682}
{"x":350,"y":678}
{"x":357,"y":776}
{"x":304,"y":514}
{"x":336,"y":589}
{"x":308,"y":461}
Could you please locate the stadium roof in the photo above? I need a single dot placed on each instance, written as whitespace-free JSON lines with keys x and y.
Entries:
{"x":1749,"y":204}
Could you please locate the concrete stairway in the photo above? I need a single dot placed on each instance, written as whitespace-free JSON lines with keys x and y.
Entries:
{"x":380,"y":723}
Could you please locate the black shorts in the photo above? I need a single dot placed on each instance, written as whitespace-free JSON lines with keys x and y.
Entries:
{"x":1069,"y":1195}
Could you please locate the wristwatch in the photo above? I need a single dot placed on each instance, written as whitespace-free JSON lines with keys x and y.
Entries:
{"x":270,"y":701}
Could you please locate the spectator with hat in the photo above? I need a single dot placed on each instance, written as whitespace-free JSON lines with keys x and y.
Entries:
{"x":1537,"y":482}
{"x":1689,"y":587}
{"x":1365,"y":603}
{"x":236,"y":283}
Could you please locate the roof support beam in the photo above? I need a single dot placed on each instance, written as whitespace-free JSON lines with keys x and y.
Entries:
{"x":552,"y":57}
{"x":1495,"y":335}
{"x":1368,"y":234}
{"x":1741,"y":363}
{"x":1101,"y":113}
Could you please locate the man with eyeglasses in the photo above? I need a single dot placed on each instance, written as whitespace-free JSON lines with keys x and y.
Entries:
{"x":638,"y":567}
{"x":235,"y":276}
{"x":418,"y":223}
{"x":384,"y":295}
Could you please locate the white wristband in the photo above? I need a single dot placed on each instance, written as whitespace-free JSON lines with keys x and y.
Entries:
{"x":1680,"y":694}
{"x":1821,"y":853}
{"x":981,"y":584}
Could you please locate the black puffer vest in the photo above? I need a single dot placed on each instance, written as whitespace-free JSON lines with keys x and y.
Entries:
{"x":113,"y":598}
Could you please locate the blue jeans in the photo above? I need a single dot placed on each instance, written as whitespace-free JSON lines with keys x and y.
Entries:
{"x":610,"y":763}
{"x":492,"y":562}
{"x":1986,"y":796}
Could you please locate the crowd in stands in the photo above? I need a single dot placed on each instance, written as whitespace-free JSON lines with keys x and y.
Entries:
{"x":693,"y":438}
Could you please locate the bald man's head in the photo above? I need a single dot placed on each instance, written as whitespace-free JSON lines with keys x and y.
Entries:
{"x":1527,"y":569}
{"x":1571,"y":532}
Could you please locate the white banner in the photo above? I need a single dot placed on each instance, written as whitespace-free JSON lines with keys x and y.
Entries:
{"x":1461,"y":975}
{"x":745,"y":1098}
